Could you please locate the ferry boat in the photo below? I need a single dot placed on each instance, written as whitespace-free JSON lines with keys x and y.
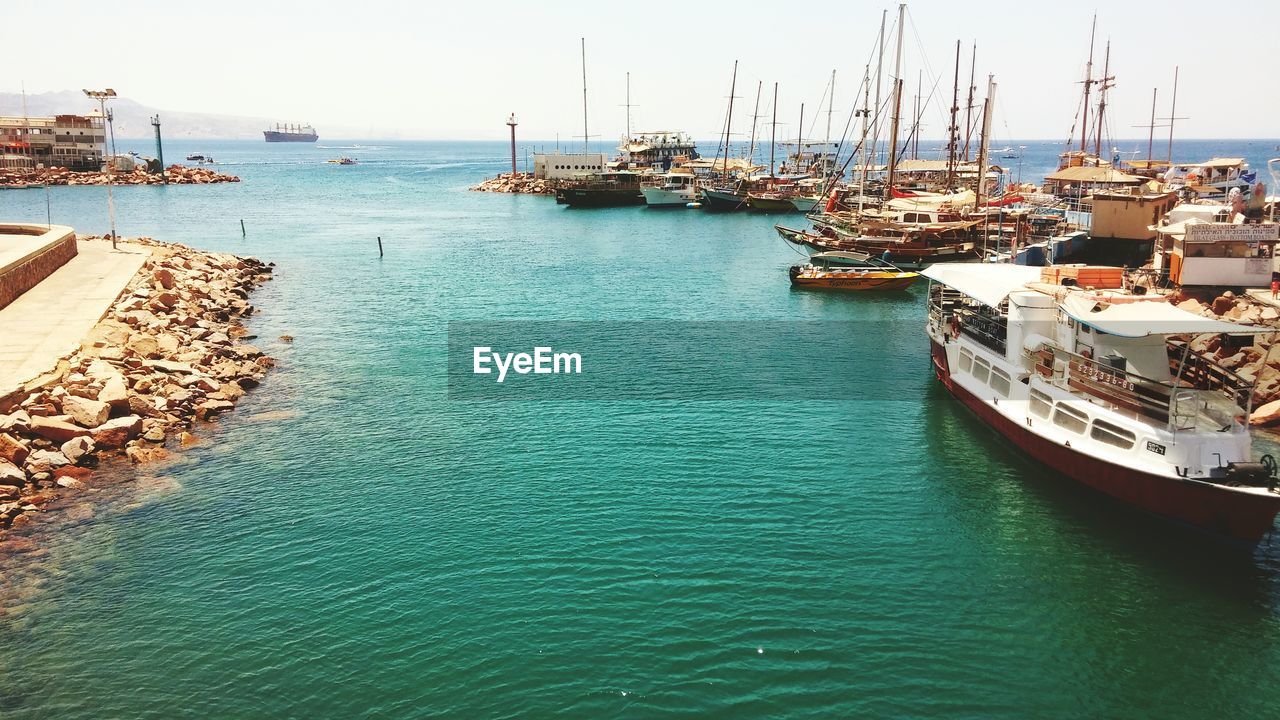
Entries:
{"x":850,"y":271}
{"x":672,"y":190}
{"x":1103,"y":387}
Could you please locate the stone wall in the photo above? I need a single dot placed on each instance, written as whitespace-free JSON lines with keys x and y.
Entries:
{"x":26,"y":273}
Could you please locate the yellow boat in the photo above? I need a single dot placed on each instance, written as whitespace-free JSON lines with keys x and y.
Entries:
{"x":846,"y":270}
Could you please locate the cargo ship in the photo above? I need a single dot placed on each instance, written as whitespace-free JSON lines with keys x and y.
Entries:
{"x":290,"y":133}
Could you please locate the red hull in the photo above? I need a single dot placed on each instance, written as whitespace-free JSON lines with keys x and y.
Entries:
{"x":1202,"y":505}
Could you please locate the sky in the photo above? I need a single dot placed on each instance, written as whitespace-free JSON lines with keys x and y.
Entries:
{"x":456,"y":70}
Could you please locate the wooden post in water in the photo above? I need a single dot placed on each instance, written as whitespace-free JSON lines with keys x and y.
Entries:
{"x":242,"y":230}
{"x":379,"y":246}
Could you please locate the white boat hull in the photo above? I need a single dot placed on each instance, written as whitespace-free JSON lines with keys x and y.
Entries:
{"x":663,"y":197}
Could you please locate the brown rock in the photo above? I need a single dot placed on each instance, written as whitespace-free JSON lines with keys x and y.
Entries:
{"x":209,"y":408}
{"x":56,"y":430}
{"x":1268,"y":414}
{"x":11,"y":475}
{"x":77,"y":448}
{"x":164,"y":278}
{"x":114,"y":393}
{"x":85,"y":412}
{"x":12,"y":449}
{"x":144,"y":346}
{"x":118,"y":432}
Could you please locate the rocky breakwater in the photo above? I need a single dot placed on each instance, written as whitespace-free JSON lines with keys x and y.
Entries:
{"x":177,"y":175}
{"x":170,"y":353}
{"x":520,"y":183}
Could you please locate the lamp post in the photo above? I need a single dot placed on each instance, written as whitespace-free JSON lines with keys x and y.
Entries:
{"x":511,"y":122}
{"x":102,"y":96}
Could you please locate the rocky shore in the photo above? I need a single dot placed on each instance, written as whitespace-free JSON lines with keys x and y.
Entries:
{"x":520,"y":183}
{"x":171,"y":353}
{"x":177,"y":174}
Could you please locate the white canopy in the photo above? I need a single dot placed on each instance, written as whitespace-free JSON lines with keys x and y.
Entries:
{"x":988,"y":283}
{"x":1140,"y":319}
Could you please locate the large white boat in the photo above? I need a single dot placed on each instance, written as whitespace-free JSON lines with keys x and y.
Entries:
{"x":1102,"y":386}
{"x":672,"y":190}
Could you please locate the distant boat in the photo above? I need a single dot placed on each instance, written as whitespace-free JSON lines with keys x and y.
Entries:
{"x":197,"y":157}
{"x":290,"y":133}
{"x":344,"y":160}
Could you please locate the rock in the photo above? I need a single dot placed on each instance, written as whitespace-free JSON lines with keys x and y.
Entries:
{"x":1268,"y":414}
{"x":18,"y":421}
{"x":168,"y":343}
{"x":1191,"y":306}
{"x":286,"y":338}
{"x":70,"y":483}
{"x":1222,"y":304}
{"x":56,"y":430}
{"x":45,"y":461}
{"x":185,"y":439}
{"x":11,"y":475}
{"x":154,"y":435}
{"x":169,"y":366}
{"x":12,"y":449}
{"x":86,"y":412}
{"x":77,"y":448}
{"x":114,"y":393}
{"x":209,"y":408}
{"x":164,"y":278}
{"x":118,"y":432}
{"x":144,"y":346}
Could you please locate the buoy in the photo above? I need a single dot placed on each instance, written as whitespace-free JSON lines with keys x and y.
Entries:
{"x":694,"y":205}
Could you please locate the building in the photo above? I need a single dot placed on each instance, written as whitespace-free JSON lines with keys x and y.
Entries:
{"x":1129,"y":213}
{"x":1220,"y":254}
{"x":564,"y":166}
{"x":76,"y":142}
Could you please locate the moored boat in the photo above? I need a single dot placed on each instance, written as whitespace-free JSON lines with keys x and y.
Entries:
{"x":837,"y":270}
{"x":674,"y":190}
{"x":723,"y":199}
{"x":770,"y":202}
{"x":1103,"y":387}
{"x":610,"y":189}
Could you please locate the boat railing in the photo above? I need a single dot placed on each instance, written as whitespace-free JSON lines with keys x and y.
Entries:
{"x":1204,"y":394}
{"x":987,"y":329}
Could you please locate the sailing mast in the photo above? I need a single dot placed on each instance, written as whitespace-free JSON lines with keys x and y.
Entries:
{"x":1088,"y":83}
{"x":584,"y":97}
{"x":984,"y":143}
{"x":915,"y":123}
{"x":875,"y":122}
{"x":866,"y":113}
{"x":897,"y":104}
{"x":1173,"y":111}
{"x":954,"y":130}
{"x":628,"y":107}
{"x":773,"y":131}
{"x":831,"y":103}
{"x":755,"y":119}
{"x":1151,"y":133}
{"x":968,"y":109}
{"x":1104,"y":84}
{"x":728,"y":123}
{"x":799,"y":142}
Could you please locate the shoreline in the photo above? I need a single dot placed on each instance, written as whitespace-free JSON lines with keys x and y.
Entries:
{"x":171,"y":352}
{"x":177,"y":175}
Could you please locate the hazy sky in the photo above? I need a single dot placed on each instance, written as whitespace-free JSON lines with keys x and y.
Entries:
{"x":456,"y":69}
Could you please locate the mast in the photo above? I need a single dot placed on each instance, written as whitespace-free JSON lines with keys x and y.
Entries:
{"x":1151,"y":134}
{"x":799,"y":141}
{"x":831,"y":103}
{"x":773,"y":131}
{"x":866,"y":113}
{"x":728,"y":123}
{"x":968,"y":108}
{"x":897,"y":104}
{"x":984,"y":143}
{"x":584,"y":97}
{"x":755,"y":118}
{"x":1104,"y":84}
{"x":628,"y":106}
{"x":915,"y":117}
{"x":954,"y":130}
{"x":1173,"y":111}
{"x":875,"y":122}
{"x":1088,"y":83}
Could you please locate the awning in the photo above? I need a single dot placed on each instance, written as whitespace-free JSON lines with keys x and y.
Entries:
{"x":988,"y":283}
{"x":1140,"y":319}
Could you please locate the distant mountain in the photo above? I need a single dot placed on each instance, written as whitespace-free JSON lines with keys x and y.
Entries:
{"x":133,"y":119}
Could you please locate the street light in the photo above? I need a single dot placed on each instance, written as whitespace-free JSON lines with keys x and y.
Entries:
{"x":102,"y":96}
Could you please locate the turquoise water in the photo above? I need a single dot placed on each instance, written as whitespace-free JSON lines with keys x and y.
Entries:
{"x":352,"y":543}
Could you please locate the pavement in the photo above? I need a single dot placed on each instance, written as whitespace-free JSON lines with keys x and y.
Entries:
{"x":1263,"y":296}
{"x":49,"y":321}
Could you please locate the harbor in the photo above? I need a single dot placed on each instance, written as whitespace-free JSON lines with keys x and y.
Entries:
{"x":856,"y":426}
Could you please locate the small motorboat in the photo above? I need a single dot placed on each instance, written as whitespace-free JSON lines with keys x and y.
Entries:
{"x":344,"y":160}
{"x":847,"y":270}
{"x":200,"y":158}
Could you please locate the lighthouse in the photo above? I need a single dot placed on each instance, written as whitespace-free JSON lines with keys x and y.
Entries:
{"x":511,"y":122}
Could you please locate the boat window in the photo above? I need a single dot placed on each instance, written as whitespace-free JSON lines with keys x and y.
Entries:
{"x":1104,"y":431}
{"x":981,"y":370}
{"x":1041,"y":404}
{"x":1070,"y":419}
{"x":966,"y":361}
{"x":1000,"y":381}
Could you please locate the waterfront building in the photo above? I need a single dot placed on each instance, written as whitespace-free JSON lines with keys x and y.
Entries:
{"x":77,"y":142}
{"x":565,"y":166}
